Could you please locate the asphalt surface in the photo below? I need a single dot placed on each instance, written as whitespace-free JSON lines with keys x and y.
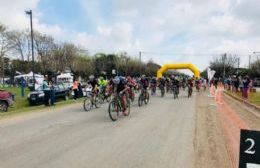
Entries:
{"x":159,"y":134}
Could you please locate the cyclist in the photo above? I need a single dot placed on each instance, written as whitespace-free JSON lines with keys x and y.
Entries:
{"x":120,"y":88}
{"x":153,"y":83}
{"x":144,"y":83}
{"x":102,"y":84}
{"x":167,"y":83}
{"x":161,"y":83}
{"x":94,"y":84}
{"x":190,"y":85}
{"x":131,"y":85}
{"x":175,"y":83}
{"x":197,"y":84}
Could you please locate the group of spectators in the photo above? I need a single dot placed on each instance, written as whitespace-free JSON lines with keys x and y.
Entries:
{"x":239,"y":84}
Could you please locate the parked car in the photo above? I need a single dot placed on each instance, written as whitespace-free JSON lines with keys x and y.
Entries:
{"x":257,"y":82}
{"x":6,"y":100}
{"x":37,"y":96}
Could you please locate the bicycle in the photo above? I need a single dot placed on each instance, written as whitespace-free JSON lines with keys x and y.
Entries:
{"x":153,"y":89}
{"x":90,"y":101}
{"x":143,"y":97}
{"x":116,"y":106}
{"x":104,"y":95}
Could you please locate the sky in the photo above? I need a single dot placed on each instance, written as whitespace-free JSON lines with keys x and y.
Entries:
{"x":166,"y":31}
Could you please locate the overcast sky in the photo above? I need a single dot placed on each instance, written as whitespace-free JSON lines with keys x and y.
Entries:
{"x":166,"y":30}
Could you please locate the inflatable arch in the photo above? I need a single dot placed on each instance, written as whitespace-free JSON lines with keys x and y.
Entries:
{"x":190,"y":66}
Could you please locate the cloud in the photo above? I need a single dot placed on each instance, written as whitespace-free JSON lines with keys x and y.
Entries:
{"x":188,"y":30}
{"x":113,"y":38}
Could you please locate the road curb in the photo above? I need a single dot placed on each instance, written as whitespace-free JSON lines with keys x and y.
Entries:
{"x":242,"y":101}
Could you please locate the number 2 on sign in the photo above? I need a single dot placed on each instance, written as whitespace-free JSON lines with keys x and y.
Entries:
{"x":249,"y":150}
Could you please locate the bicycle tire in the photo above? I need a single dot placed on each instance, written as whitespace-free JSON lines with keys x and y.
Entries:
{"x":113,"y":110}
{"x":132,"y":97}
{"x":97,"y":102}
{"x":108,"y":98}
{"x":146,"y":100}
{"x":128,"y":105}
{"x":87,"y":105}
{"x":101,"y":98}
{"x":140,"y":100}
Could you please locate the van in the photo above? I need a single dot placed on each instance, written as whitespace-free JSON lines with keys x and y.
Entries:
{"x":38,"y":82}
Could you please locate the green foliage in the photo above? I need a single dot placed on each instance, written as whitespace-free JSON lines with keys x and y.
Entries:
{"x":225,"y":65}
{"x":52,"y":57}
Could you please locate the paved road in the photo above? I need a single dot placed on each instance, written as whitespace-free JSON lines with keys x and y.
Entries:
{"x":156,"y":135}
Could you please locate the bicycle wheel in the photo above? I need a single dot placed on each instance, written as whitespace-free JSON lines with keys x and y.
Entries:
{"x":97,"y":102}
{"x":128,"y":104}
{"x":113,"y":110}
{"x":133,"y":96}
{"x":108,"y":98}
{"x":101,"y":98}
{"x":147,"y":97}
{"x":87,"y":104}
{"x":140,"y":100}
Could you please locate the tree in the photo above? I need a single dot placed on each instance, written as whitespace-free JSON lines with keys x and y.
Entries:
{"x":4,"y":43}
{"x":83,"y":66}
{"x":44,"y":46}
{"x":19,"y":42}
{"x":152,"y":68}
{"x":255,"y":69}
{"x":224,"y":65}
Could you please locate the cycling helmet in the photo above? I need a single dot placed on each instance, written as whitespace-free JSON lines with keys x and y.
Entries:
{"x":91,"y":77}
{"x":143,"y":76}
{"x":128,"y":78}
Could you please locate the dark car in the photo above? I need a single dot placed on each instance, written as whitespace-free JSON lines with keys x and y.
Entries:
{"x":37,"y":96}
{"x":6,"y":100}
{"x":257,"y":82}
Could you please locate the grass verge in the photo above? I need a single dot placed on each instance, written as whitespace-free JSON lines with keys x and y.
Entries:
{"x":21,"y":104}
{"x":254,"y":98}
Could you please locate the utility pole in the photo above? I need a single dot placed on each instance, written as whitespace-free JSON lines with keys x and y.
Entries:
{"x":33,"y":68}
{"x":140,"y":59}
{"x":249,"y":62}
{"x":140,"y":56}
{"x":238,"y":62}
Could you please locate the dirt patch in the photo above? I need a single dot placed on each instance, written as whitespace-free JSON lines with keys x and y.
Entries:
{"x":247,"y":114}
{"x":209,"y":142}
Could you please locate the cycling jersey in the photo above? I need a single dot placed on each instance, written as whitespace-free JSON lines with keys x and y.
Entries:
{"x":153,"y":81}
{"x":175,"y":82}
{"x":93,"y":83}
{"x":131,"y":83}
{"x":162,"y":82}
{"x":102,"y":82}
{"x":144,"y":83}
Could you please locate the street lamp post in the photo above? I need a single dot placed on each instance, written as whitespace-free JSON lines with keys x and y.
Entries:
{"x":33,"y":68}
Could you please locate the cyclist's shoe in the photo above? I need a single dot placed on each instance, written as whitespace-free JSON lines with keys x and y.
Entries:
{"x":125,"y":113}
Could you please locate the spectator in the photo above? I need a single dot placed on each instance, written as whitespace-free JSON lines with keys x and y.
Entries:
{"x":246,"y":82}
{"x":46,"y":90}
{"x":75,"y":88}
{"x":240,"y":84}
{"x":52,"y":93}
{"x":80,"y":92}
